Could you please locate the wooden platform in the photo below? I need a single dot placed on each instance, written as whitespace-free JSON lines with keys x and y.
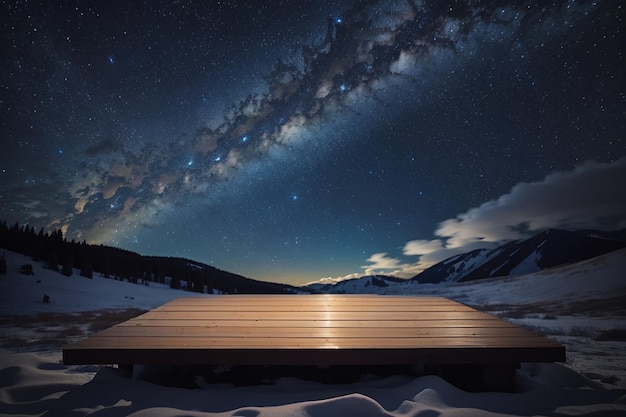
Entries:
{"x":320,"y":330}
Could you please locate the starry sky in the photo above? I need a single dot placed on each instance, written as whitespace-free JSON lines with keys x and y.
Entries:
{"x":303,"y":140}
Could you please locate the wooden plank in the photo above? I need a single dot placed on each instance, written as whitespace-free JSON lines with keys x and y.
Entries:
{"x":321,"y":298}
{"x":365,"y":324}
{"x":296,"y":332}
{"x":317,"y":315}
{"x":261,"y":308}
{"x":285,"y":301}
{"x":313,"y":308}
{"x":335,"y":305}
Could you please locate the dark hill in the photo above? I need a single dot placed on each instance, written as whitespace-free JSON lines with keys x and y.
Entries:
{"x":53,"y":250}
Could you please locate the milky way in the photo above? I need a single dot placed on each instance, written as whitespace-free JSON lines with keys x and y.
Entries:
{"x":301,"y":140}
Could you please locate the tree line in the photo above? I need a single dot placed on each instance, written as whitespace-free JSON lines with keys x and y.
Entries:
{"x":55,"y":252}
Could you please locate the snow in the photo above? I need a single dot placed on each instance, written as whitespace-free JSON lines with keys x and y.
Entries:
{"x":601,"y":277}
{"x":528,"y":265}
{"x":34,"y":381}
{"x":22,"y":294}
{"x":479,"y":258}
{"x":531,"y":263}
{"x":464,"y":264}
{"x":363,"y":285}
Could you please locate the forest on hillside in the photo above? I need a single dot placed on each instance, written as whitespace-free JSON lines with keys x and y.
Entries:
{"x":55,"y":252}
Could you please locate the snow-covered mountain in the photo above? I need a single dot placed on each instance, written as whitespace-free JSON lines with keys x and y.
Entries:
{"x":363,"y":285}
{"x":456,"y":267}
{"x":547,"y":249}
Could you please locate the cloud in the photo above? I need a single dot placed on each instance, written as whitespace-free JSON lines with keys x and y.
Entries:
{"x":430,"y":252}
{"x":588,"y":197}
{"x":334,"y":280}
{"x":421,"y":247}
{"x":380,"y":263}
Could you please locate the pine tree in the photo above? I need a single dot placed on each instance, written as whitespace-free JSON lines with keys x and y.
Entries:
{"x":87,"y":269}
{"x":68,"y":266}
{"x":106,"y":269}
{"x":3,"y":264}
{"x":52,"y":261}
{"x":175,"y":283}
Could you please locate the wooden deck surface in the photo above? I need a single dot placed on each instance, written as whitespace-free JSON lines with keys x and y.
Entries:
{"x":320,"y":330}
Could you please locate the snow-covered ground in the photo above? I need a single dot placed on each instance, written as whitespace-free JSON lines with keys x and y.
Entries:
{"x":582,"y":305}
{"x":576,"y":304}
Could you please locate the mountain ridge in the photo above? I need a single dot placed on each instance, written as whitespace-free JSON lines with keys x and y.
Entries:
{"x":547,"y":249}
{"x":360,"y":285}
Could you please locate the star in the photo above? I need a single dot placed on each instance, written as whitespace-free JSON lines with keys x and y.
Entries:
{"x":345,"y":115}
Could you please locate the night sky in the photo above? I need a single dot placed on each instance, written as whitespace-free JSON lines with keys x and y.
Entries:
{"x":297,"y":140}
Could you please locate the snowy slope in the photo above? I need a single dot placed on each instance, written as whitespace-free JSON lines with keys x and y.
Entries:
{"x":600,"y":277}
{"x":23,"y":294}
{"x":364,"y":285}
{"x":456,"y":267}
{"x":34,"y":383}
{"x":544,"y":250}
